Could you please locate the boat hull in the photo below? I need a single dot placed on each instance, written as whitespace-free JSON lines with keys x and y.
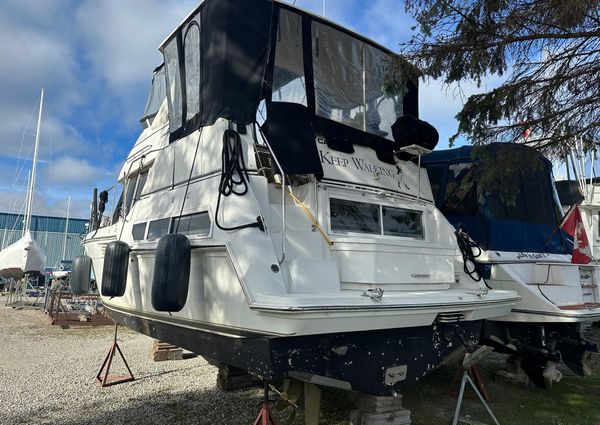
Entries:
{"x":378,"y":362}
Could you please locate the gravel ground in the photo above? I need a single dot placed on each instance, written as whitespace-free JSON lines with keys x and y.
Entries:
{"x":47,"y":376}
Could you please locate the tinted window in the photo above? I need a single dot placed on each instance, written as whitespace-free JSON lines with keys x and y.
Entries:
{"x":350,"y":216}
{"x":194,"y":224}
{"x":435,"y":175}
{"x":138,"y":231}
{"x":158,"y":228}
{"x":141,"y":183}
{"x":401,"y":222}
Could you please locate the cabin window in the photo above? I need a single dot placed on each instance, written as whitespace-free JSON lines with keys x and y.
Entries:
{"x":289,"y":84}
{"x":402,"y":222}
{"x":171,"y":54}
{"x":158,"y":228}
{"x":193,"y":224}
{"x":355,"y":217}
{"x":138,"y":231}
{"x":157,"y":93}
{"x":192,"y":68}
{"x":141,"y":182}
{"x":130,"y":192}
{"x":349,"y":76}
{"x":460,"y":197}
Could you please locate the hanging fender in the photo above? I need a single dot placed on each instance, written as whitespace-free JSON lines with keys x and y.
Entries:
{"x":171,"y":278}
{"x":114,"y":274}
{"x":81,"y":275}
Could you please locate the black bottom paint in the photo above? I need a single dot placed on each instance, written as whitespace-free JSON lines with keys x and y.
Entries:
{"x":537,"y":344}
{"x":358,"y":358}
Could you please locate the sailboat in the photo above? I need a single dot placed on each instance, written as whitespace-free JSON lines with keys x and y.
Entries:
{"x":25,"y":257}
{"x":305,"y":246}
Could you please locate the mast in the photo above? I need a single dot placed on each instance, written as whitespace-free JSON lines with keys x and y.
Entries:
{"x":31,"y":187}
{"x":64,"y":252}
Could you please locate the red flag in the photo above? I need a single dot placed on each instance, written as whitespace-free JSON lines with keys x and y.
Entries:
{"x":573,"y":225}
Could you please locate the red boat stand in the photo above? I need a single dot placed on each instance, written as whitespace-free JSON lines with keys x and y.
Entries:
{"x":264,"y":417}
{"x":106,"y":379}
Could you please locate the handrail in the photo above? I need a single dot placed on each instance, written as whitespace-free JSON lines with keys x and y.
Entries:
{"x":283,"y":185}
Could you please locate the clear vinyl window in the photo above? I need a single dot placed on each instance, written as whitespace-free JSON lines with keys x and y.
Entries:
{"x":192,"y":68}
{"x":289,"y":84}
{"x":171,"y":54}
{"x":349,"y":76}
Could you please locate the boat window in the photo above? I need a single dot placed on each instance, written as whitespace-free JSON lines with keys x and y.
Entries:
{"x":141,"y":182}
{"x":349,"y":76}
{"x":193,"y":224}
{"x":289,"y":84}
{"x":460,"y":196}
{"x":173,"y":85}
{"x":402,"y":222}
{"x":158,"y":228}
{"x":129,"y":192}
{"x":157,"y":93}
{"x":138,"y":231}
{"x":351,"y":216}
{"x":192,"y":68}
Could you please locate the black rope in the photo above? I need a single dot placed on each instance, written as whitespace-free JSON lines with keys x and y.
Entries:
{"x":466,"y":246}
{"x":234,"y":176}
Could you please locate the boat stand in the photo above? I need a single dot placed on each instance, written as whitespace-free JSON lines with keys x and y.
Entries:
{"x":468,"y":363}
{"x":106,"y":380}
{"x":264,"y":416}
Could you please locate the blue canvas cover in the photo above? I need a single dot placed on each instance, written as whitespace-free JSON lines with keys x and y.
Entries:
{"x":525,"y":226}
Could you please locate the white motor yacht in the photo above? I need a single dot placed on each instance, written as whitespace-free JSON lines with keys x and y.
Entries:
{"x":271,"y":221}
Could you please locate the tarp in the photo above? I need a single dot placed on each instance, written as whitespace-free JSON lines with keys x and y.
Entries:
{"x":23,"y":256}
{"x":529,"y":225}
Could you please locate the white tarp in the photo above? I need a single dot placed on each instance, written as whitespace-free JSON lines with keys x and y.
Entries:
{"x":23,"y":256}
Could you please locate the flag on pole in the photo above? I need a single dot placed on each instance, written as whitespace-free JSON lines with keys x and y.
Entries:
{"x":573,"y":225}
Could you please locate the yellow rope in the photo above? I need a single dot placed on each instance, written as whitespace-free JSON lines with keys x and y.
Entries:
{"x":312,"y":217}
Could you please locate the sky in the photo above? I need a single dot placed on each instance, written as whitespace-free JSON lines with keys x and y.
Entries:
{"x":95,"y":60}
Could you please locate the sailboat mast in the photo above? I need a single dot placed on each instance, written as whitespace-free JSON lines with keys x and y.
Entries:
{"x":31,"y":187}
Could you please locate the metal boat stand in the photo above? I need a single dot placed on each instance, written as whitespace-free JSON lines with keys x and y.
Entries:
{"x":469,"y":361}
{"x":106,"y":379}
{"x":264,"y":416}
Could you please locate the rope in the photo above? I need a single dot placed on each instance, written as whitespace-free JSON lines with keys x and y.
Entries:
{"x":312,"y":218}
{"x":466,"y":245}
{"x":233,"y":175}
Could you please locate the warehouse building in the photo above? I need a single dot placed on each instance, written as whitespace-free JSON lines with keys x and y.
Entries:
{"x":58,"y":240}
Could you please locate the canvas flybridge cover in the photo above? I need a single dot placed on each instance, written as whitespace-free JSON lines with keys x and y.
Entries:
{"x":230,"y":56}
{"x":23,"y":256}
{"x":526,"y":226}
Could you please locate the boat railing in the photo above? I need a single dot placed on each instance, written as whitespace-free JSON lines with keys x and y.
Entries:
{"x":283,"y":184}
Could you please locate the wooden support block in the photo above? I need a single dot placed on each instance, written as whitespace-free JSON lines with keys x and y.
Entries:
{"x":163,"y":351}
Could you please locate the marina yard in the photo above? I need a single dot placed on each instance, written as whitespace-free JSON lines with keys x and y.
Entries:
{"x":47,"y":376}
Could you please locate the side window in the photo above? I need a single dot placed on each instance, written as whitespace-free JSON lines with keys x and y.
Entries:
{"x":130,"y":192}
{"x":141,"y":183}
{"x":171,"y":53}
{"x":289,"y":84}
{"x":138,"y":231}
{"x":158,"y":228}
{"x":192,"y":69}
{"x":193,"y":224}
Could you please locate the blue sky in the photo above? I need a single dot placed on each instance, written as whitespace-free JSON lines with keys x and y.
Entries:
{"x":95,"y":59}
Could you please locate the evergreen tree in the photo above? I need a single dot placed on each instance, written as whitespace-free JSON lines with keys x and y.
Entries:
{"x":548,"y":50}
